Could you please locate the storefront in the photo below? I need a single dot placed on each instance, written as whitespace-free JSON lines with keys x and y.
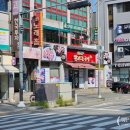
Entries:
{"x":80,"y":67}
{"x":7,"y":78}
{"x":52,"y":70}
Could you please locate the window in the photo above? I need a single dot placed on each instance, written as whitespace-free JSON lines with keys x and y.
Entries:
{"x":4,"y":5}
{"x":26,"y":24}
{"x":110,"y":15}
{"x":123,"y":7}
{"x":26,"y":36}
{"x":54,"y":75}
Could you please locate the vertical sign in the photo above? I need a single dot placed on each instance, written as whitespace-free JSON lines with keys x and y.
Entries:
{"x":37,"y":29}
{"x":15,"y":37}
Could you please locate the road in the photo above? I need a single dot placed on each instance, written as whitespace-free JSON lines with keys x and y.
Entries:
{"x":109,"y":113}
{"x":55,"y":121}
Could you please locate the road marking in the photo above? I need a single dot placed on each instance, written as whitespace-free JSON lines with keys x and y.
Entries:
{"x":89,"y":108}
{"x":103,"y":104}
{"x":72,"y":127}
{"x":77,"y":119}
{"x":93,"y":120}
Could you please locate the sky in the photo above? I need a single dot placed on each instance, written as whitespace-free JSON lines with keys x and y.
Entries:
{"x":93,"y":5}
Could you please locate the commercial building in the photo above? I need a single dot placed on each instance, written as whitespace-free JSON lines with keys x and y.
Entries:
{"x":115,"y":33}
{"x":56,"y":44}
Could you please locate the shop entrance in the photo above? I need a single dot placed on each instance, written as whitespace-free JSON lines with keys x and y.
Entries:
{"x":74,"y":78}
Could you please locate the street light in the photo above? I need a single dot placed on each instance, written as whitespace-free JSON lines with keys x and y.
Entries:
{"x":21,"y":102}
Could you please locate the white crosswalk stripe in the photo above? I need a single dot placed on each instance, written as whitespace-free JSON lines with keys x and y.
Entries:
{"x":53,"y":121}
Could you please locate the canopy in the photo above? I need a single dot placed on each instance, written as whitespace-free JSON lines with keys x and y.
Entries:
{"x":80,"y":65}
{"x":8,"y":68}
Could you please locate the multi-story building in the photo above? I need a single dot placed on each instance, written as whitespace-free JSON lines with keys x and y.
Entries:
{"x":56,"y":44}
{"x":115,"y":35}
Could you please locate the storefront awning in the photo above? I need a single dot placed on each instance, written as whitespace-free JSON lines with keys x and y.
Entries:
{"x":56,"y":29}
{"x":81,"y":65}
{"x":8,"y":68}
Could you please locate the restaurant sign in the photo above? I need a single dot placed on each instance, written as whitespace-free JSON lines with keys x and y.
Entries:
{"x":54,"y":52}
{"x":80,"y":56}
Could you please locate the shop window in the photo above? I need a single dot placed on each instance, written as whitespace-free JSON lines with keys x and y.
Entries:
{"x":54,"y":75}
{"x":91,"y":73}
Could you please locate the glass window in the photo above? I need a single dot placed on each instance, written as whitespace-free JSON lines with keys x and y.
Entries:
{"x":59,"y":1}
{"x":4,"y":5}
{"x":54,"y":75}
{"x":84,"y":24}
{"x":48,"y":15}
{"x":26,"y":23}
{"x":80,"y":23}
{"x":59,"y":17}
{"x":48,"y":3}
{"x":64,"y":7}
{"x":38,"y":1}
{"x":64,"y":18}
{"x":76,"y":22}
{"x":84,"y":13}
{"x":80,"y":12}
{"x":72,"y":21}
{"x":53,"y":3}
{"x":53,"y":16}
{"x":26,"y":36}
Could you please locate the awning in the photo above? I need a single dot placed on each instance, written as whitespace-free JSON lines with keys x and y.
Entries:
{"x":56,"y":29}
{"x":80,"y":65}
{"x":8,"y":68}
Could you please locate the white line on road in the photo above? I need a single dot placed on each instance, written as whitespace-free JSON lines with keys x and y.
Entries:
{"x":90,"y":108}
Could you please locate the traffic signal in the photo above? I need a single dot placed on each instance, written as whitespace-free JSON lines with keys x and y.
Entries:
{"x":80,"y":4}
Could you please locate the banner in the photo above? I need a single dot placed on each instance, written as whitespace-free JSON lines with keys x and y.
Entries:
{"x":37,"y":32}
{"x":54,"y":52}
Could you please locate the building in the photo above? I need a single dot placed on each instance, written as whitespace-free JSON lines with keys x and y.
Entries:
{"x":115,"y":33}
{"x":56,"y":43}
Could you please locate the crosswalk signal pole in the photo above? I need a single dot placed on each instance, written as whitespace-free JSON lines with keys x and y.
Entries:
{"x":21,"y":102}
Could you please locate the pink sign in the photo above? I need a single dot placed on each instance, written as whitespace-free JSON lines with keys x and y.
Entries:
{"x":31,"y":53}
{"x":15,"y":7}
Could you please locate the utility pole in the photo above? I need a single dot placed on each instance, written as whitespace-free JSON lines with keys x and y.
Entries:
{"x":21,"y":102}
{"x":99,"y":51}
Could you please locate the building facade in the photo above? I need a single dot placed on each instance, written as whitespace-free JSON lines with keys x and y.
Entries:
{"x":56,"y":43}
{"x":115,"y":33}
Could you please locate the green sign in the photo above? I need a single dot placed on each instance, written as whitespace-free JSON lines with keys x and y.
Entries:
{"x":72,"y":27}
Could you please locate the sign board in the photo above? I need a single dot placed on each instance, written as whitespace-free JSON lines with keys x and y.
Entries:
{"x":123,"y":28}
{"x":54,"y":52}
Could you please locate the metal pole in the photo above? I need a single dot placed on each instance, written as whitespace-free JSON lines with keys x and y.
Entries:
{"x":99,"y":50}
{"x":21,"y":102}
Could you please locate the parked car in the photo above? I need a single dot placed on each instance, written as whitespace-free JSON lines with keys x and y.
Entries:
{"x":120,"y":87}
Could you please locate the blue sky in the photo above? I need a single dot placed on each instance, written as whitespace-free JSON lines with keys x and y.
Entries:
{"x":93,"y":5}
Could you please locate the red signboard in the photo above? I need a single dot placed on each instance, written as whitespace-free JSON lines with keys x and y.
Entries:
{"x":81,"y":56}
{"x":37,"y":28}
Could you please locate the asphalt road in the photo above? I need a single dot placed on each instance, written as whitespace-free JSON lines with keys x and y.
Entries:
{"x":55,"y":121}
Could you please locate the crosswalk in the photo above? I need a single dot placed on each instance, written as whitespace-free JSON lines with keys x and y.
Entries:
{"x":54,"y":121}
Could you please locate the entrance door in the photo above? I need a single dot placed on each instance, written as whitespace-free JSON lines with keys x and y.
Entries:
{"x":74,"y":78}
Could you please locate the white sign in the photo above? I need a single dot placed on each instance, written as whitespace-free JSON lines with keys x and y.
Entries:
{"x":4,"y":37}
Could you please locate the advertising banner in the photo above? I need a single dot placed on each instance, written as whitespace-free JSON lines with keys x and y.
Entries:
{"x":31,"y":53}
{"x":54,"y":52}
{"x":107,"y":58}
{"x":14,"y":27}
{"x":4,"y":39}
{"x":37,"y":31}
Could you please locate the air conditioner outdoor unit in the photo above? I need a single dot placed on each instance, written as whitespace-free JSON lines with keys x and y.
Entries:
{"x":120,"y":49}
